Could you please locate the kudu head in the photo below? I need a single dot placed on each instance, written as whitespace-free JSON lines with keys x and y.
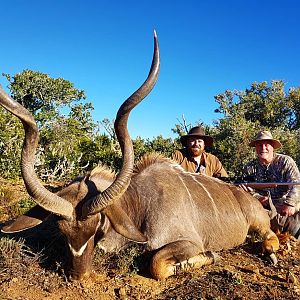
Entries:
{"x":83,"y":207}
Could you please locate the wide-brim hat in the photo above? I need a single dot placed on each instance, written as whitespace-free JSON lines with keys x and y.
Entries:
{"x":197,"y":132}
{"x":266,"y":136}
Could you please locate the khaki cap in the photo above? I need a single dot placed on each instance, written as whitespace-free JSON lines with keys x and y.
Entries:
{"x":266,"y":136}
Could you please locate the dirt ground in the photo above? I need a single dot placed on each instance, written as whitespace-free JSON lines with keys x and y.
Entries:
{"x":32,"y":269}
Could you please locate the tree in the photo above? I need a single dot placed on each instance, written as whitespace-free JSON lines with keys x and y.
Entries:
{"x":61,"y":136}
{"x":261,"y":107}
{"x":165,"y":146}
{"x":11,"y":140}
{"x":294,"y":96}
{"x":41,"y":94}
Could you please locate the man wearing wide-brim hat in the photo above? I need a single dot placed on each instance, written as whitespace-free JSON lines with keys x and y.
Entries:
{"x":283,"y":202}
{"x":193,"y":157}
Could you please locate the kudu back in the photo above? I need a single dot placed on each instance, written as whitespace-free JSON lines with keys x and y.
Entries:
{"x":179,"y":216}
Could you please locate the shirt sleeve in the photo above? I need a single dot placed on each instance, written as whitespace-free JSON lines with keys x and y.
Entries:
{"x":216,"y":167}
{"x":249,"y":173}
{"x":220,"y":171}
{"x":291,"y":174}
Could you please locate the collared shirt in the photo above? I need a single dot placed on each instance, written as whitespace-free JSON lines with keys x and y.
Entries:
{"x":282,"y":169}
{"x":209,"y":163}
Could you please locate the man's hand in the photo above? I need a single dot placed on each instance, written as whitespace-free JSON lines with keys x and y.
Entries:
{"x":264,"y":200}
{"x":286,"y":210}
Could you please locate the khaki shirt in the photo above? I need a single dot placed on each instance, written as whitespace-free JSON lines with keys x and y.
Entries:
{"x":209,"y":164}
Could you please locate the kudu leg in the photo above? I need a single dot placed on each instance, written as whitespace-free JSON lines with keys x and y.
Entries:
{"x":270,"y":243}
{"x":178,"y":256}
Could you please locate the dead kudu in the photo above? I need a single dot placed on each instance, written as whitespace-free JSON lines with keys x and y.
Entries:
{"x":181,"y":217}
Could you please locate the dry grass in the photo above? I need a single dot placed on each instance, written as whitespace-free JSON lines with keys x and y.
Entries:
{"x":16,"y":258}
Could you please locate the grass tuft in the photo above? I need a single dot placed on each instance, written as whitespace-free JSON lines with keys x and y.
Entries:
{"x":16,"y":258}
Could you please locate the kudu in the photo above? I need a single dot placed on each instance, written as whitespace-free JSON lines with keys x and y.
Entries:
{"x":179,"y":216}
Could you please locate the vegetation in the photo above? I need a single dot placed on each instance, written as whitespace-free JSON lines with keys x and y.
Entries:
{"x":71,"y":143}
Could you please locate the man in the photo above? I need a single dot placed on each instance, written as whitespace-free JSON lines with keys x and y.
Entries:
{"x":283,"y":202}
{"x":193,"y":157}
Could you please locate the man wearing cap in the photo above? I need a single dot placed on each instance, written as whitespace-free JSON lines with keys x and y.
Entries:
{"x":283,"y":202}
{"x":193,"y":157}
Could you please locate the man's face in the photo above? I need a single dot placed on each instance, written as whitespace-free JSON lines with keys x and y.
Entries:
{"x":264,"y":151}
{"x":195,"y":146}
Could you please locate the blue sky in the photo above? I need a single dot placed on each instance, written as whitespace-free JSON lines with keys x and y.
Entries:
{"x":105,"y":48}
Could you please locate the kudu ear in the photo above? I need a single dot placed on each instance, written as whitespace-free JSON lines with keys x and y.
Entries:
{"x":122,"y":224}
{"x":31,"y":218}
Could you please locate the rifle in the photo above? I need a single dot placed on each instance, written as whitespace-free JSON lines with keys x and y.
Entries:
{"x":265,"y":185}
{"x":249,"y":182}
